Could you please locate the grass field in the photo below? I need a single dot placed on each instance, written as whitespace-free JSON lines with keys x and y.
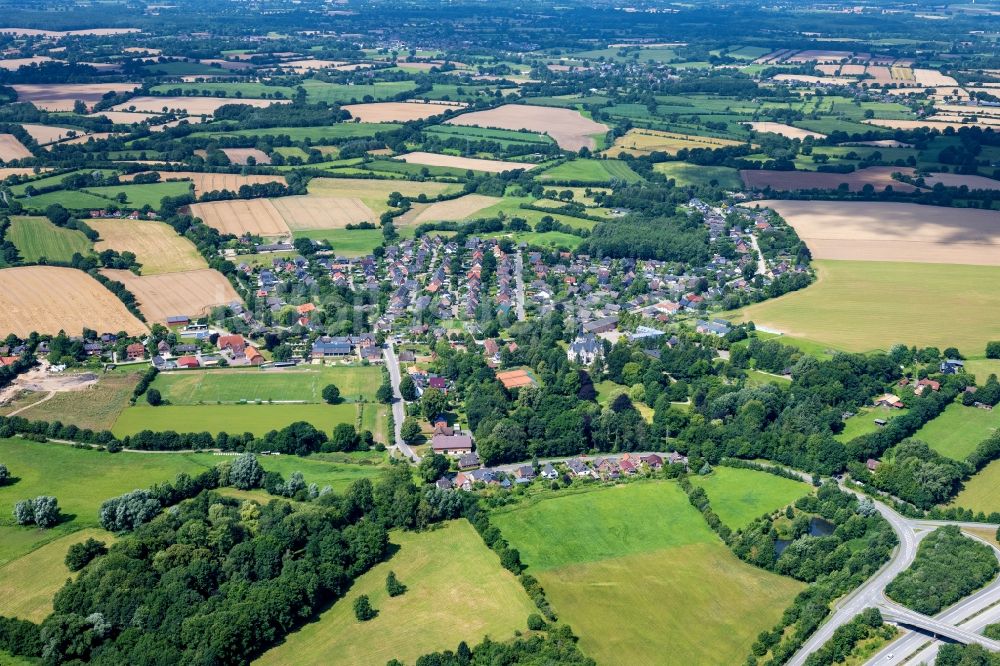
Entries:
{"x":867,"y":305}
{"x":685,"y":173}
{"x":29,"y":584}
{"x":138,"y":196}
{"x":457,"y":591}
{"x":600,"y":172}
{"x":641,"y":579}
{"x":96,"y":408}
{"x":71,"y":199}
{"x":741,"y":495}
{"x":256,"y":419}
{"x":981,"y":491}
{"x":314,"y":134}
{"x":36,"y":237}
{"x":959,"y":430}
{"x":285,"y":384}
{"x":353,"y":243}
{"x":863,"y":422}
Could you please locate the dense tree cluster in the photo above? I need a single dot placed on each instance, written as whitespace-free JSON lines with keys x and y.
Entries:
{"x":865,"y":625}
{"x":557,"y":646}
{"x":42,"y":511}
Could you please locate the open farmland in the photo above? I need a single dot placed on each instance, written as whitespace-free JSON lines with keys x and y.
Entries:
{"x":375,"y":193}
{"x":252,"y":418}
{"x":741,"y":495}
{"x":192,"y":293}
{"x":867,"y":305}
{"x":452,"y":161}
{"x":213,"y":182}
{"x":647,"y":554}
{"x":16,"y":171}
{"x":13,"y":64}
{"x":45,"y":134}
{"x":302,"y":213}
{"x":685,"y":173}
{"x":156,"y":245}
{"x":959,"y":430}
{"x":196,"y":106}
{"x":457,"y":591}
{"x":980,"y":492}
{"x":784,"y":130}
{"x":243,"y":155}
{"x":878,"y":177}
{"x":646,"y":141}
{"x":399,"y":112}
{"x":48,"y":299}
{"x":600,"y":172}
{"x":970,"y":181}
{"x":36,"y":237}
{"x":570,"y":129}
{"x":300,"y":384}
{"x":455,"y":209}
{"x":94,"y":405}
{"x":11,"y":149}
{"x":880,"y":231}
{"x":242,"y":216}
{"x":62,"y":96}
{"x":145,"y":194}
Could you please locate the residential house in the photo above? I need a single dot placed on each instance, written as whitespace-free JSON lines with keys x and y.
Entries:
{"x":234,"y":344}
{"x":188,"y":362}
{"x":451,"y":445}
{"x":135,"y":351}
{"x":469,"y":461}
{"x":549,"y":472}
{"x":888,"y":400}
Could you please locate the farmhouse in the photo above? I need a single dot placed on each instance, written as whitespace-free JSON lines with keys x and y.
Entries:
{"x":888,"y":400}
{"x":453,"y":445}
{"x":234,"y":344}
{"x":135,"y":351}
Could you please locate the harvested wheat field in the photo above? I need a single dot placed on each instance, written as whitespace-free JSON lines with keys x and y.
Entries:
{"x":124,"y":117}
{"x":156,"y":245}
{"x":489,"y":166}
{"x":33,"y":32}
{"x":61,"y":96}
{"x":375,"y":193}
{"x":12,"y":149}
{"x":570,"y":129}
{"x":915,"y":124}
{"x":48,"y":299}
{"x":645,"y":141}
{"x":456,"y":209}
{"x":877,"y":177}
{"x":317,"y":212}
{"x":933,"y":78}
{"x":18,"y":171}
{"x":13,"y":64}
{"x":973,"y":182}
{"x":784,"y":130}
{"x":196,"y":106}
{"x":900,"y":232}
{"x":46,"y":134}
{"x":242,"y":155}
{"x":242,"y":216}
{"x":399,"y":112}
{"x":311,"y":64}
{"x":191,"y":293}
{"x":213,"y":182}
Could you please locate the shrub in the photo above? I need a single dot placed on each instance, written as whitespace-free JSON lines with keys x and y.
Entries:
{"x":363,"y":609}
{"x":393,"y":586}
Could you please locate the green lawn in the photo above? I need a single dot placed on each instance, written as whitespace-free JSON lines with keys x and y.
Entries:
{"x":863,"y":422}
{"x":982,"y":491}
{"x":591,"y":171}
{"x":36,"y":237}
{"x":741,"y":495}
{"x":959,"y":430}
{"x":142,"y":195}
{"x":347,"y":243}
{"x":685,"y":173}
{"x":316,"y":91}
{"x":641,"y":579}
{"x":314,"y":134}
{"x":304,"y":383}
{"x":868,"y":305}
{"x":71,"y":199}
{"x":51,"y":181}
{"x":504,"y":137}
{"x":457,"y":591}
{"x":256,"y":419}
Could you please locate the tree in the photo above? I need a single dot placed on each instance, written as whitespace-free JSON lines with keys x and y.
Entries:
{"x":433,"y":403}
{"x":154,"y":398}
{"x":344,"y":438}
{"x":993,"y":349}
{"x":384,"y":393}
{"x":46,"y":510}
{"x":408,"y":389}
{"x":4,"y":474}
{"x":410,"y":430}
{"x":128,"y":511}
{"x":433,"y":467}
{"x":535,"y":622}
{"x":246,"y":472}
{"x":24,"y":514}
{"x":331,"y":394}
{"x":363,"y":609}
{"x":81,"y":554}
{"x":393,"y":586}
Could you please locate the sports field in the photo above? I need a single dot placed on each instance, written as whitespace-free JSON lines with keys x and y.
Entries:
{"x":741,"y":495}
{"x":304,"y":383}
{"x":981,"y":491}
{"x":600,"y":172}
{"x":156,"y":245}
{"x":48,"y":299}
{"x":958,"y":430}
{"x":639,"y":576}
{"x":252,"y":418}
{"x":36,"y":237}
{"x":457,"y":591}
{"x":867,"y":305}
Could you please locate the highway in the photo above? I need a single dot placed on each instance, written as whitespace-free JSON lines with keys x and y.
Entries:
{"x":398,"y":406}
